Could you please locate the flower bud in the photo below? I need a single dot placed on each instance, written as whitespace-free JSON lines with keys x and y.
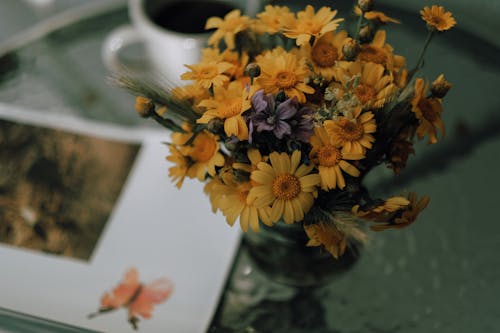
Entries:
{"x":366,"y":34}
{"x":144,"y":106}
{"x":365,"y":5}
{"x":215,"y":125}
{"x":440,"y":87}
{"x":252,"y":70}
{"x":351,"y":49}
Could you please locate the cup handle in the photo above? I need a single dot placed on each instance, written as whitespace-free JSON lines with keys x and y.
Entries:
{"x":118,"y":39}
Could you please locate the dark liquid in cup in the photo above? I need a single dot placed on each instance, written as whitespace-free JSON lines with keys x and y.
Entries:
{"x":189,"y":16}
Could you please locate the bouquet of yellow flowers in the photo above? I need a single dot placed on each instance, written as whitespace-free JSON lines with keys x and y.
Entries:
{"x":286,"y":114}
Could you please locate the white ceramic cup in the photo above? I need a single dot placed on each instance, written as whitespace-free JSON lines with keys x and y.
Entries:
{"x":167,"y":50}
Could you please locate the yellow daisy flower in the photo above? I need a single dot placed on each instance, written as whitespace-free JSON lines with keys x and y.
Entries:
{"x":378,"y":51}
{"x":331,"y":161}
{"x":437,"y":18}
{"x":352,"y":133}
{"x":205,"y":156}
{"x":228,"y":104}
{"x":374,"y":88}
{"x":325,"y":52}
{"x":239,"y":61}
{"x":375,"y":15}
{"x":180,"y":169}
{"x":271,"y":19}
{"x":255,"y":157}
{"x":213,"y":188}
{"x":281,"y":70}
{"x":227,"y":28}
{"x":193,"y":93}
{"x":227,"y":173}
{"x":428,"y":112}
{"x":234,"y":204}
{"x":286,"y":186}
{"x":208,"y":74}
{"x":309,"y":24}
{"x":327,"y":235}
{"x":179,"y":139}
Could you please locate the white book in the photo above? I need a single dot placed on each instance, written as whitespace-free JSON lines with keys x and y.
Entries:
{"x":152,"y":225}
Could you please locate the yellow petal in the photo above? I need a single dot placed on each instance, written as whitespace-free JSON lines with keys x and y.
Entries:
{"x":350,"y":169}
{"x":277,"y":210}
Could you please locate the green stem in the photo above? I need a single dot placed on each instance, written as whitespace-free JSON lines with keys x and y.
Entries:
{"x":167,"y":123}
{"x":358,"y":26}
{"x":421,"y":57}
{"x":412,"y":72}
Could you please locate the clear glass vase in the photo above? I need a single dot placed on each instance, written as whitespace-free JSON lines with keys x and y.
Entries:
{"x":281,"y":253}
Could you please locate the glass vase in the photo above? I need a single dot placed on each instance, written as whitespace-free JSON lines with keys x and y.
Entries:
{"x":280,"y":252}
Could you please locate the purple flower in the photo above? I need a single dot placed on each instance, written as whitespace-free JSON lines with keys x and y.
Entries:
{"x":284,"y":120}
{"x":266,"y":117}
{"x":303,"y":124}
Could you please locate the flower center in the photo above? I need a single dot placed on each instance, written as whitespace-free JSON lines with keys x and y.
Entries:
{"x":351,"y":130}
{"x":231,"y":109}
{"x":373,"y":54}
{"x":437,"y":21}
{"x":285,"y":79}
{"x":207,"y":72}
{"x":324,"y":54}
{"x":243,"y":196}
{"x":204,"y":147}
{"x":365,"y":93}
{"x":271,"y":120}
{"x":329,"y":156}
{"x":310,"y":27}
{"x":286,"y":187}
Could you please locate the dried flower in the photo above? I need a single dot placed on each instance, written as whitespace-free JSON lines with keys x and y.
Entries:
{"x":428,"y":112}
{"x":405,"y":216}
{"x":440,"y":87}
{"x":400,"y":150}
